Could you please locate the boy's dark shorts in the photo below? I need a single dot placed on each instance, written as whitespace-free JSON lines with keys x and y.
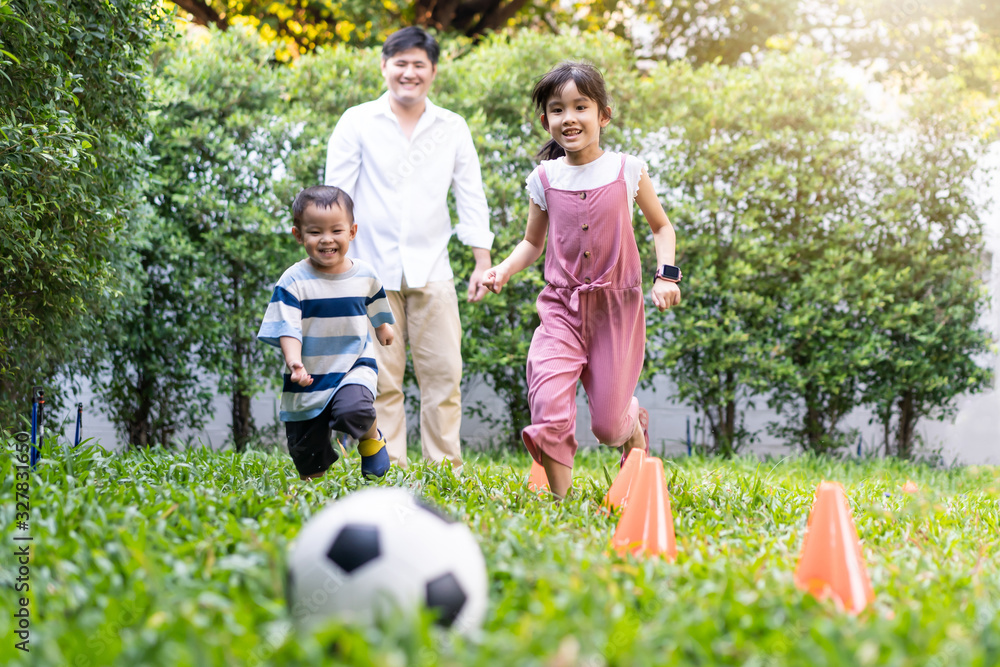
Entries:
{"x":351,"y":411}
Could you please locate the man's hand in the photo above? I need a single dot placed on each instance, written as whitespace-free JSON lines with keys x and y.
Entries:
{"x":477,"y":290}
{"x":665,"y":294}
{"x":384,"y":334}
{"x":299,"y":375}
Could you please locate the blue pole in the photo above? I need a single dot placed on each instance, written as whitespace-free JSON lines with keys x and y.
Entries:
{"x":37,"y":428}
{"x":79,"y":423}
{"x":859,"y":445}
{"x":689,"y":435}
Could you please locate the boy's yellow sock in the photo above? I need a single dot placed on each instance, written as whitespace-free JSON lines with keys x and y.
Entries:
{"x":371,"y":445}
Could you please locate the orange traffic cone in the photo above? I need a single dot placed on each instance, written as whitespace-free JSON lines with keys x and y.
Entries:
{"x":537,"y":481}
{"x":910,"y":487}
{"x":618,"y":493}
{"x":831,"y":562}
{"x":647,"y":524}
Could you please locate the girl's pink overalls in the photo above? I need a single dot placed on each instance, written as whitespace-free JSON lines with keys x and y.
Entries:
{"x":593,"y":325}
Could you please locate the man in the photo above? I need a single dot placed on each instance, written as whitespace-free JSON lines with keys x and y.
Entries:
{"x":396,"y":157}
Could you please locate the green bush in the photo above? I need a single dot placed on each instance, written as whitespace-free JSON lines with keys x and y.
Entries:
{"x":769,"y":176}
{"x":73,"y":104}
{"x":222,"y":201}
{"x":799,"y":231}
{"x":796,"y":232}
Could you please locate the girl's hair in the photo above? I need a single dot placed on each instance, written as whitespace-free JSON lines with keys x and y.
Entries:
{"x":588,"y":81}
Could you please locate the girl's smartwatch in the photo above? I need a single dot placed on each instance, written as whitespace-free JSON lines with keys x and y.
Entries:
{"x":671,"y":274}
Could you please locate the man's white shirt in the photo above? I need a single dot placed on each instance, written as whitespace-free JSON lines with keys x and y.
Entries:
{"x":400,"y":189}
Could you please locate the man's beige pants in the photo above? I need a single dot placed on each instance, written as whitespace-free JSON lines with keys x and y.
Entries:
{"x":426,"y":319}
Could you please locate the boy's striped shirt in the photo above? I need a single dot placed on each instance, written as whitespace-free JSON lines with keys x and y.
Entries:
{"x":329,"y":313}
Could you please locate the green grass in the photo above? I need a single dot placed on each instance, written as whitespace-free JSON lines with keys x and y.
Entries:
{"x":178,"y":559}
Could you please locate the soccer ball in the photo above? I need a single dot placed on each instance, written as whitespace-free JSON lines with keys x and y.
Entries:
{"x":383,"y":551}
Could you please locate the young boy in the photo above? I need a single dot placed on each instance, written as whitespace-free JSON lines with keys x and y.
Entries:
{"x":318,"y":316}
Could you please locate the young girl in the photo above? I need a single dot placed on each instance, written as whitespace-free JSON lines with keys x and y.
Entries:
{"x":593,"y":327}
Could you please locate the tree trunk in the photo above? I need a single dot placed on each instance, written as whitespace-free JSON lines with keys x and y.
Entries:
{"x":813,"y":421}
{"x":471,"y":17}
{"x":202,"y":13}
{"x":907,"y":426}
{"x":731,"y":428}
{"x":724,"y":424}
{"x":495,"y":18}
{"x":243,"y":427}
{"x":139,"y":428}
{"x":886,"y":430}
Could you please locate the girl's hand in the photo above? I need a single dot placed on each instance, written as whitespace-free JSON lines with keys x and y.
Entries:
{"x":299,"y":375}
{"x":384,"y":334}
{"x":495,"y":278}
{"x":665,"y":294}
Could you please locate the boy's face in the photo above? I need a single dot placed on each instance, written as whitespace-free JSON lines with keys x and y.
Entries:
{"x":408,"y":76}
{"x":327,"y":234}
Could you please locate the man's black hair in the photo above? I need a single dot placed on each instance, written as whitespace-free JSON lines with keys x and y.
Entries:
{"x":409,"y":38}
{"x":321,"y":196}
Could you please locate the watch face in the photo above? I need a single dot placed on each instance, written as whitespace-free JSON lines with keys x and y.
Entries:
{"x":670,"y":272}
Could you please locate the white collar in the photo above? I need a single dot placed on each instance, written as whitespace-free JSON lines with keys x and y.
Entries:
{"x":431,"y":110}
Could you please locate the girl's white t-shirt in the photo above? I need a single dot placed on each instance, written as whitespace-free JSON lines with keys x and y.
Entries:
{"x":588,"y":176}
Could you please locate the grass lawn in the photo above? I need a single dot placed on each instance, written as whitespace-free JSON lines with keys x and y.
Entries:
{"x":178,"y":559}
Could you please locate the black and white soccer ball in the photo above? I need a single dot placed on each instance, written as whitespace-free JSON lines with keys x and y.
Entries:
{"x":381,"y":551}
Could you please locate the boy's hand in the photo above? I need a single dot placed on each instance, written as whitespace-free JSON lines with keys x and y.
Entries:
{"x":299,"y":375}
{"x":384,"y":334}
{"x":495,"y":278}
{"x":665,"y":294}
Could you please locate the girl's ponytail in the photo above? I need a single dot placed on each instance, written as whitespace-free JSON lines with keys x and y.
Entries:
{"x":550,"y":151}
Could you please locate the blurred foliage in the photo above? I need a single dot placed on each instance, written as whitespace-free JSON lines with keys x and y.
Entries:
{"x":300,"y":26}
{"x":832,"y":258}
{"x":178,"y":558}
{"x":902,"y":41}
{"x":813,"y":240}
{"x":222,"y":198}
{"x":73,"y":105}
{"x":898,"y":39}
{"x":696,"y":30}
{"x":927,"y":236}
{"x":760,"y":174}
{"x":792,"y":206}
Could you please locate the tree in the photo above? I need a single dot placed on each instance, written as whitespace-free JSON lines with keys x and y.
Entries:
{"x":905,"y":40}
{"x":745,"y":163}
{"x":72,"y":117}
{"x":154,"y":388}
{"x":824,"y":272}
{"x":222,"y":203}
{"x":302,"y":25}
{"x":927,"y":232}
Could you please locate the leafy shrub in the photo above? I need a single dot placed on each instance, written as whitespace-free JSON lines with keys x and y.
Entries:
{"x":73,"y":107}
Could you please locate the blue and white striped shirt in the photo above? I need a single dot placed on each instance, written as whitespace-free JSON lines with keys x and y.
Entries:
{"x":329,"y":313}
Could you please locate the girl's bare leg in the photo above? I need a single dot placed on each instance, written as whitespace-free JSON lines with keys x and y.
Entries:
{"x":637,"y":440}
{"x":560,"y":477}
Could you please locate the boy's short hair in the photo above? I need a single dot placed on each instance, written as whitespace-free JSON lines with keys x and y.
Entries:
{"x":409,"y":38}
{"x":321,"y":196}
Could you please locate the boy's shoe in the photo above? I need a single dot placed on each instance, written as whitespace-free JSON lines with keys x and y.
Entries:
{"x":374,"y":456}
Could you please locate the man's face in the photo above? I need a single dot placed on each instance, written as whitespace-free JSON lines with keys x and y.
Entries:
{"x":408,"y":76}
